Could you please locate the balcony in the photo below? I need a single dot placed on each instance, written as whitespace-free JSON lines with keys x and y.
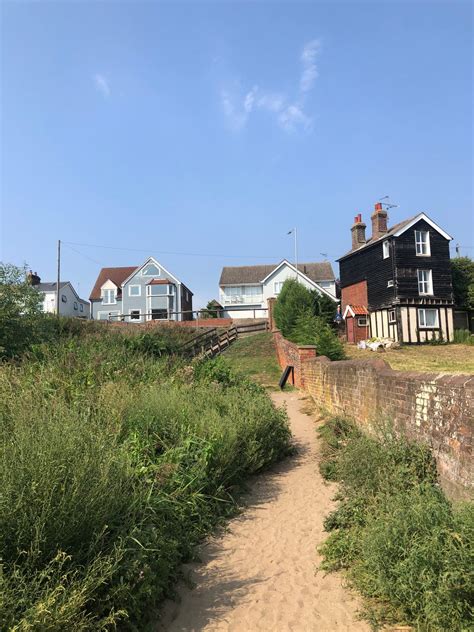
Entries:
{"x":243,"y":299}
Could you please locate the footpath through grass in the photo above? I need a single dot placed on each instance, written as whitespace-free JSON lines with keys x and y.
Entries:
{"x":401,"y":543}
{"x":115,"y":460}
{"x":450,"y":358}
{"x":255,"y":357}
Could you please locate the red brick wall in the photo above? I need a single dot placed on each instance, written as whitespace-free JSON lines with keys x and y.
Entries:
{"x":437,"y":410}
{"x":355,"y":294}
{"x":290,"y":354}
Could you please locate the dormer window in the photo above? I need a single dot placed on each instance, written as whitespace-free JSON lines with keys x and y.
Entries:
{"x":109,"y":297}
{"x":386,"y":249}
{"x":151,"y":270}
{"x":422,"y":243}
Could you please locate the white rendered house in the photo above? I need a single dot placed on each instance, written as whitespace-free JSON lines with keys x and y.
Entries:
{"x":245,"y":290}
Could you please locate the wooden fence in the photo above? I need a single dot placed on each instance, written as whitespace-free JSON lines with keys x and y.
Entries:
{"x":209,"y":343}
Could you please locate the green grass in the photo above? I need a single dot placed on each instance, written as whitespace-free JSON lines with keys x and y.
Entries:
{"x":449,"y":358}
{"x":255,"y":357}
{"x":400,"y":542}
{"x":115,"y":460}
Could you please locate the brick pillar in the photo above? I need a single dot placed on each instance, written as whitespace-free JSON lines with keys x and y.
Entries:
{"x":271,"y":320}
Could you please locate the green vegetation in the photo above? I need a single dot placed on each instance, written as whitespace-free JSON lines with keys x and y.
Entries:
{"x":116,"y":459}
{"x":462,"y":270}
{"x":254,"y":356}
{"x":449,"y":358}
{"x":398,"y":539}
{"x":463,"y":336}
{"x":305,"y":317}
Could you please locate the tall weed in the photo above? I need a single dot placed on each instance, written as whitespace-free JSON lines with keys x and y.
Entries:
{"x":401,"y":542}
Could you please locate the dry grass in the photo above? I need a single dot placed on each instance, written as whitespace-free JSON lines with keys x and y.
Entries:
{"x":452,"y":358}
{"x":255,"y":357}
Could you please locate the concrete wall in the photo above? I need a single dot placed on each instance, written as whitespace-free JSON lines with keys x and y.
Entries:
{"x":435,"y":409}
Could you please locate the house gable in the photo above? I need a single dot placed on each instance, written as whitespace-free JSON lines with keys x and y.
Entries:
{"x":280,"y":273}
{"x":138,"y":276}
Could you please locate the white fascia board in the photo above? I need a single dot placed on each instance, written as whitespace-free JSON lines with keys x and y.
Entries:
{"x":348,"y":309}
{"x":428,"y":221}
{"x":153,"y":260}
{"x":301,"y":274}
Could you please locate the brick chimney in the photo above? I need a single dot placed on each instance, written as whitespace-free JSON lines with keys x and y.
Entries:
{"x":33,"y":278}
{"x":358,"y":232}
{"x":379,"y":221}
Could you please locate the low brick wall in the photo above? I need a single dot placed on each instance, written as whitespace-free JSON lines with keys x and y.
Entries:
{"x":293,"y":355}
{"x":435,"y":409}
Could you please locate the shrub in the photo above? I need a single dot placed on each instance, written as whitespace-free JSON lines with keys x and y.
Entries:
{"x":462,"y":269}
{"x":403,"y":545}
{"x":312,"y":330}
{"x":115,"y":463}
{"x":463,"y":336}
{"x":294,"y":300}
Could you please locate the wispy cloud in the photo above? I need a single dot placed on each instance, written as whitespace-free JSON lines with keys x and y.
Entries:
{"x":308,"y":60}
{"x":102,"y":85}
{"x":289,"y":113}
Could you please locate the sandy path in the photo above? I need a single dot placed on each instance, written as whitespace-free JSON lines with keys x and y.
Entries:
{"x":260,"y":574}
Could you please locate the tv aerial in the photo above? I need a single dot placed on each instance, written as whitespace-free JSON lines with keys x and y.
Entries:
{"x":388,"y":205}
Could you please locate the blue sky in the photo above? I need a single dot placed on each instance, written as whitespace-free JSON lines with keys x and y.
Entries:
{"x":212,"y":128}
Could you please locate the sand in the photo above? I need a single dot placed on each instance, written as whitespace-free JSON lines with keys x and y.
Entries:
{"x":260,"y":574}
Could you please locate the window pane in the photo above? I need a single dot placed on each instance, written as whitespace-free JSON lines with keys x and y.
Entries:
{"x":151,"y":270}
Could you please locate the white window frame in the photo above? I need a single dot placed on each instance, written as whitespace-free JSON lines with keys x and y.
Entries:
{"x":63,"y":298}
{"x":76,"y":306}
{"x":278,"y":284}
{"x":139,"y":319}
{"x":106,"y":296}
{"x":392,"y":316}
{"x":422,"y":282}
{"x":81,"y":307}
{"x":422,"y":318}
{"x":386,"y":249}
{"x":420,"y":243}
{"x":362,"y":321}
{"x":134,"y":295}
{"x":169,"y":290}
{"x":390,"y":283}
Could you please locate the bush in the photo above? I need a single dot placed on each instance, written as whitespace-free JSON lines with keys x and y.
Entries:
{"x":312,"y":330}
{"x":115,"y":463}
{"x":293,"y":301}
{"x":462,"y":269}
{"x":463,"y":336}
{"x":402,"y":544}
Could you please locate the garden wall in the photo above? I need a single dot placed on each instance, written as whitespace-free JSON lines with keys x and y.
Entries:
{"x":436,"y":409}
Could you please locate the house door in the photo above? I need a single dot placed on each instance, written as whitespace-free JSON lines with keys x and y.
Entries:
{"x":350,"y":330}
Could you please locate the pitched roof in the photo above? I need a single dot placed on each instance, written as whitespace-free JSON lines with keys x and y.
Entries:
{"x":49,"y":286}
{"x":231,"y":275}
{"x":116,"y":275}
{"x":390,"y":232}
{"x":356,"y":310}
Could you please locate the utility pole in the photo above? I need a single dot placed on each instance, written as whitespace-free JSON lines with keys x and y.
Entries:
{"x":458,"y":250}
{"x":58,"y":282}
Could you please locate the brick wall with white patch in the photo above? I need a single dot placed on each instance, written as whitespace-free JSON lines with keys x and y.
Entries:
{"x":435,"y":409}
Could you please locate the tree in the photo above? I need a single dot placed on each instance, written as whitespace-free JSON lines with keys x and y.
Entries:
{"x":324,"y":307}
{"x":293,"y":300}
{"x":20,"y":311}
{"x":212,"y":310}
{"x":314,"y":330}
{"x":462,"y":269}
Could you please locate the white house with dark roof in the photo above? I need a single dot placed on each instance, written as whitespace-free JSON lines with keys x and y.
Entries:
{"x":244,"y":290}
{"x":70,"y":304}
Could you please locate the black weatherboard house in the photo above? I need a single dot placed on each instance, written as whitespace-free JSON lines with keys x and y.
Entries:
{"x":399,"y":280}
